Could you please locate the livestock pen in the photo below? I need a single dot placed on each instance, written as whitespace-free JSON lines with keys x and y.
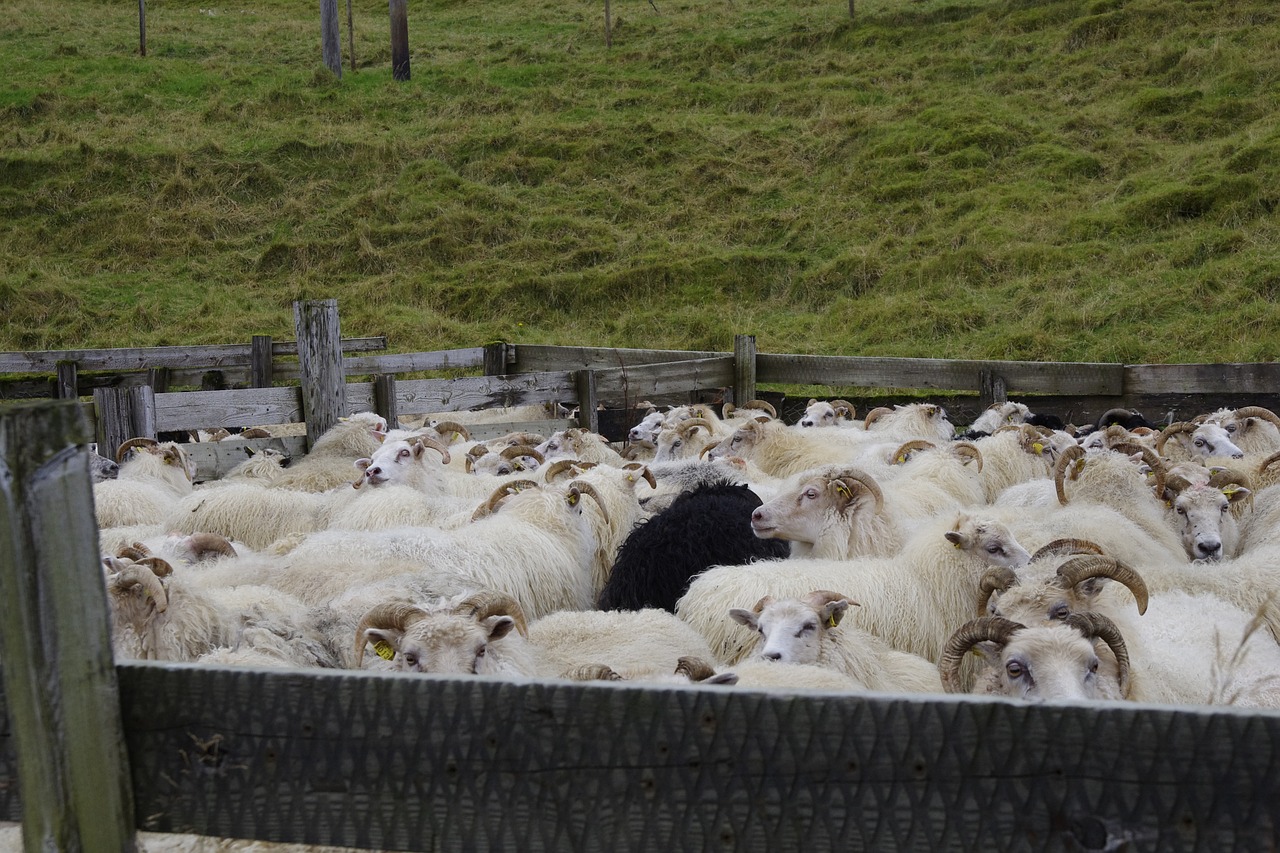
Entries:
{"x":93,"y":750}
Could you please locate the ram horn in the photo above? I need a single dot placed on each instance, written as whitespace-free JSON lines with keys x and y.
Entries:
{"x":159,"y":566}
{"x":1073,"y":455}
{"x":694,"y":668}
{"x":555,"y":469}
{"x":968,"y":449}
{"x":633,"y":448}
{"x":903,"y":453}
{"x":205,"y":545}
{"x":875,"y":415}
{"x":591,"y":672}
{"x":140,"y":441}
{"x":482,"y":605}
{"x":848,"y":476}
{"x":578,"y":488}
{"x":1030,"y":439}
{"x":1268,"y":462}
{"x":762,"y":405}
{"x":727,"y":410}
{"x":710,"y":446}
{"x":1222,"y":477}
{"x":1108,"y":417}
{"x":134,"y":551}
{"x":693,"y":423}
{"x":1170,"y":431}
{"x":445,"y":428}
{"x":254,"y":432}
{"x":397,"y":616}
{"x":428,"y":441}
{"x":1258,"y":412}
{"x":984,"y":629}
{"x":143,"y":576}
{"x":501,"y":493}
{"x":850,"y":411}
{"x":1066,"y":547}
{"x":515,"y":451}
{"x":996,"y":579}
{"x":1154,"y":462}
{"x":645,"y":473}
{"x":1079,"y":569}
{"x":1093,"y":625}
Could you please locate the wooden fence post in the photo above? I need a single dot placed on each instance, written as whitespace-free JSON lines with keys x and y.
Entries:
{"x":744,"y":368}
{"x":330,"y":42}
{"x":261,"y":365}
{"x":68,"y":380}
{"x":142,"y":27}
{"x":59,"y":680}
{"x":495,"y":359}
{"x":993,"y":389}
{"x":399,"y":39}
{"x":324,"y":385}
{"x":384,"y":398}
{"x":588,"y":415}
{"x":351,"y":36}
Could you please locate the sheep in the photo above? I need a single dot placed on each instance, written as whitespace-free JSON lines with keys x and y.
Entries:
{"x":487,"y":633}
{"x":262,"y":466}
{"x":1256,"y":430}
{"x":1197,"y":441}
{"x":915,"y":599}
{"x":580,"y":444}
{"x":996,"y":416}
{"x":1176,"y":640}
{"x":780,"y":451}
{"x":705,"y":526}
{"x":684,"y":440}
{"x":148,"y":483}
{"x":329,"y":462}
{"x":247,"y":512}
{"x":1050,"y":662}
{"x":100,"y":467}
{"x":1015,"y":455}
{"x":820,"y":413}
{"x":808,"y":630}
{"x":913,"y":420}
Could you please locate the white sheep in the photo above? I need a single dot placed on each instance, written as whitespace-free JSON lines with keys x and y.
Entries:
{"x":147,"y":485}
{"x":820,"y":413}
{"x":809,"y":630}
{"x":330,"y":461}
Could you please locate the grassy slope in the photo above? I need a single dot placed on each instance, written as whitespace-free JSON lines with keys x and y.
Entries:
{"x":1060,"y":179}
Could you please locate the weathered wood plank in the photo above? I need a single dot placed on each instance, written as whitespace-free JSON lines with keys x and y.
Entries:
{"x":420,"y":396}
{"x":943,"y":374}
{"x":531,"y":359}
{"x":141,"y":358}
{"x":324,"y":389}
{"x":1185,"y":379}
{"x":214,"y":459}
{"x":399,"y":762}
{"x":622,"y":387}
{"x":744,"y":368}
{"x":59,"y":682}
{"x":413,"y":362}
{"x":240,"y":408}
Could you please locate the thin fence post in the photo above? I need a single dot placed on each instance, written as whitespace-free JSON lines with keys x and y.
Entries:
{"x":399,"y":39}
{"x":495,"y":359}
{"x":993,"y":389}
{"x":744,"y":368}
{"x":59,"y":680}
{"x":158,"y":379}
{"x":142,"y":27}
{"x":384,"y":398}
{"x":324,"y":386}
{"x":330,"y":40}
{"x":68,"y":380}
{"x":351,"y":36}
{"x":261,"y":365}
{"x":588,"y":400}
{"x":851,"y":15}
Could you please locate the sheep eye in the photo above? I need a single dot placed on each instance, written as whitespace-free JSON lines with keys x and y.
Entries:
{"x":1014,"y":669}
{"x":1059,"y":611}
{"x":1182,"y":511}
{"x":995,"y":549}
{"x":677,"y":443}
{"x":1231,"y":427}
{"x":411,"y":660}
{"x":1093,"y":665}
{"x":806,"y":628}
{"x":481,"y":652}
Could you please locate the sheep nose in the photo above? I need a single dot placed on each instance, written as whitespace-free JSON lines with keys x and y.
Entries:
{"x":1237,"y":455}
{"x":373,"y":472}
{"x":1209,"y":549}
{"x":772,"y":656}
{"x":757,"y":515}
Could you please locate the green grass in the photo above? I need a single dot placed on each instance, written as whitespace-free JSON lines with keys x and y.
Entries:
{"x":1058,"y":180}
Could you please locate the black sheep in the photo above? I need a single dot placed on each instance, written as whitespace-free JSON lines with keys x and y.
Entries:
{"x":707,"y":526}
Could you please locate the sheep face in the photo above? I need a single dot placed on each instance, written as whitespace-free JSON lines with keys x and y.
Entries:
{"x":441,"y":643}
{"x":990,"y":541}
{"x":998,"y":415}
{"x":811,"y":510}
{"x":100,"y":467}
{"x":397,"y":462}
{"x":647,"y":429}
{"x":792,"y":630}
{"x":1211,"y":439}
{"x":1051,"y":662}
{"x":818,"y":414}
{"x":740,"y":443}
{"x":1203,"y":520}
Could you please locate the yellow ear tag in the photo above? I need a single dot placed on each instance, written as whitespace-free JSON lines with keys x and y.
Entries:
{"x":902,"y":458}
{"x":843,"y":491}
{"x":384,"y":650}
{"x":831,"y":621}
{"x":573,"y":500}
{"x":1038,"y":448}
{"x":955,"y":545}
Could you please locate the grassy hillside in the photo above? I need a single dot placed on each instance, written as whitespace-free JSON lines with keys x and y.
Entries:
{"x":1059,"y":179}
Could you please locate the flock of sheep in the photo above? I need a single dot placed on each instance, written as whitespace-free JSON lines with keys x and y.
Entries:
{"x":1116,"y":561}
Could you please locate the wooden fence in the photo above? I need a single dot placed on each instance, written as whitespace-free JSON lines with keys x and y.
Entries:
{"x":91,"y":752}
{"x":314,"y":381}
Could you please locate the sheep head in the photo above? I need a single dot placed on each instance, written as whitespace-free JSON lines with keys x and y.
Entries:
{"x":792,"y":630}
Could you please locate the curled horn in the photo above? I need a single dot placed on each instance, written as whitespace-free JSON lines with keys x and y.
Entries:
{"x":504,"y":491}
{"x":694,"y":668}
{"x":1109,"y":416}
{"x":474,"y":454}
{"x":1093,"y":625}
{"x":254,"y":432}
{"x":1222,"y":477}
{"x":850,"y":411}
{"x":136,"y":551}
{"x":1081,"y":568}
{"x":996,"y":579}
{"x":143,"y":576}
{"x":633,"y":448}
{"x":710,"y":446}
{"x":591,"y":672}
{"x":1268,"y":462}
{"x":1066,"y":547}
{"x":903,"y":453}
{"x":515,"y":451}
{"x":444,"y":428}
{"x":692,"y":423}
{"x":848,"y":475}
{"x":875,"y":415}
{"x":1170,"y":431}
{"x":968,"y":449}
{"x":1031,"y":438}
{"x":994,"y":629}
{"x":488,"y":603}
{"x":644,"y":472}
{"x":132,"y":443}
{"x":428,"y":441}
{"x":397,"y":616}
{"x":555,"y":469}
{"x":762,"y":405}
{"x":204,"y":545}
{"x":1158,"y":469}
{"x":158,"y":566}
{"x":1258,"y":412}
{"x":1071,"y":455}
{"x":578,"y":488}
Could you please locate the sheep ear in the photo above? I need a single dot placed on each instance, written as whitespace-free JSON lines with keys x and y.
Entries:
{"x":745,"y":617}
{"x":1235,"y":493}
{"x":956,"y":538}
{"x":725,"y":678}
{"x":363,"y":464}
{"x":499,"y":626}
{"x":386,"y":641}
{"x":833,"y":611}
